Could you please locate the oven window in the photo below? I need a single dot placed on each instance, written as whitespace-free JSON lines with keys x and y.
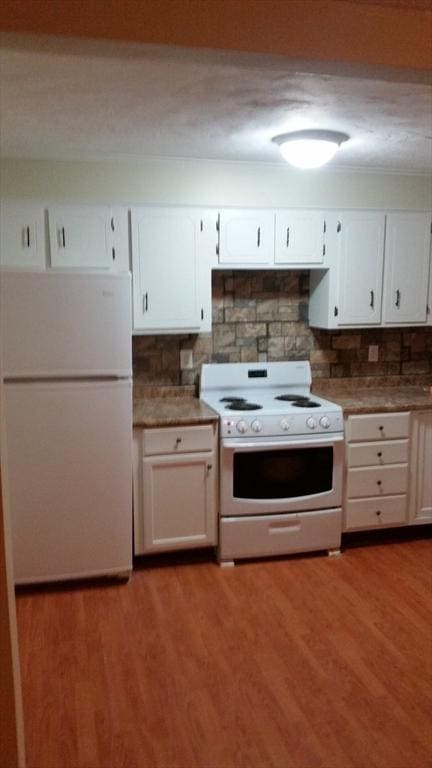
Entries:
{"x":283,"y":474}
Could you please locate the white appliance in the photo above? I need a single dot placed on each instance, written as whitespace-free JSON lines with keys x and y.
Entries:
{"x":66,"y":366}
{"x":281,"y":459}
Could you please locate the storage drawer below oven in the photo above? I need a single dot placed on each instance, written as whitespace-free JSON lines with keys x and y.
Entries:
{"x":264,"y":535}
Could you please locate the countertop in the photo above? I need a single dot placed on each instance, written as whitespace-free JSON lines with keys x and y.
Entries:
{"x":171,"y":406}
{"x":383,"y":399}
{"x":171,"y":411}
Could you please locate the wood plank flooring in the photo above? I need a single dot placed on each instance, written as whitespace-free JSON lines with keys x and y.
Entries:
{"x":305,"y":662}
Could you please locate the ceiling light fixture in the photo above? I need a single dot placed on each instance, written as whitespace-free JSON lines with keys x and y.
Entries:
{"x":310,"y":148}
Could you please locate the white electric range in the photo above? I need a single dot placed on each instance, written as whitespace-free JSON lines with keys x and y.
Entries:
{"x":281,"y":459}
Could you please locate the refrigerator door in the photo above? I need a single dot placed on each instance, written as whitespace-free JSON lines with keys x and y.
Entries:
{"x":68,"y":454}
{"x":61,"y":325}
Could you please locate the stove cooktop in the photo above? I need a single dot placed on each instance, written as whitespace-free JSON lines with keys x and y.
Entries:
{"x":255,"y":400}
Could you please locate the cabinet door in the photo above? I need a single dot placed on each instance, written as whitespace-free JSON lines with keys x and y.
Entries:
{"x":299,"y":237}
{"x":22,"y":236}
{"x":429,"y":307}
{"x":164,"y":265}
{"x":360,"y":264}
{"x":179,"y":501}
{"x":421,"y":476}
{"x":246,"y":237}
{"x":406,"y":268}
{"x":80,"y":237}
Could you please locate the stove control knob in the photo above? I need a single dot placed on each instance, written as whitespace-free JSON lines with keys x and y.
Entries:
{"x":285,"y":425}
{"x":242,"y":427}
{"x":325,"y":422}
{"x":256,"y":426}
{"x":311,"y":423}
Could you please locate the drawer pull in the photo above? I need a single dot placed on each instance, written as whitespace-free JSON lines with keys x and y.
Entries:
{"x":379,"y":482}
{"x":209,"y":466}
{"x":381,"y":429}
{"x":379,"y":454}
{"x":178,"y":440}
{"x":284,"y":528}
{"x":378,"y":512}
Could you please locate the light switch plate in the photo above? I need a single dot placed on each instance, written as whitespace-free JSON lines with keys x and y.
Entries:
{"x":373,"y":353}
{"x":186,"y":359}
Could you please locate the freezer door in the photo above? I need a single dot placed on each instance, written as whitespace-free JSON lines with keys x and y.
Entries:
{"x":69,"y":472}
{"x":60,"y":324}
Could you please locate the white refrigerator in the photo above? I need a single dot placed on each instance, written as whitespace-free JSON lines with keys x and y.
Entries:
{"x":66,"y":365}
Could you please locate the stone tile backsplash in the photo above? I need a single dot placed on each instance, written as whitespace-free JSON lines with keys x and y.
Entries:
{"x":262,"y":315}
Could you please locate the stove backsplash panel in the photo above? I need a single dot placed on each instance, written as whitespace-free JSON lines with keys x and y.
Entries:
{"x":262,"y":315}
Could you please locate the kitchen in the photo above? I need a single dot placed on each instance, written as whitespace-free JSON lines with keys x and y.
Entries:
{"x":241,"y":298}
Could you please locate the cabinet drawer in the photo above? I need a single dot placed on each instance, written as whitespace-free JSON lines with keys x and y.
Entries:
{"x":377,"y":453}
{"x":279,"y":534}
{"x":385,"y":426}
{"x":177,"y":439}
{"x":375,"y":512}
{"x":379,"y":481}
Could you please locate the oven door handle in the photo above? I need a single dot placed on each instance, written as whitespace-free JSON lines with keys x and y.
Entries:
{"x":283,"y":443}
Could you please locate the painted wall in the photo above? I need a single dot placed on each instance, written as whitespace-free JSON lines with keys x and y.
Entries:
{"x":209,"y":183}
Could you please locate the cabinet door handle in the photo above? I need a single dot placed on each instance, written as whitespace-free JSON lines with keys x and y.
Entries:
{"x":287,"y":238}
{"x":258,"y":237}
{"x":209,"y":466}
{"x":25,"y":235}
{"x":178,"y":441}
{"x":145,"y":302}
{"x":398,"y":298}
{"x":112,"y":224}
{"x":61,"y":238}
{"x":372,"y":299}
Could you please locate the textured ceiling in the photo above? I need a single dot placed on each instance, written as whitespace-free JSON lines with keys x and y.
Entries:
{"x":116,"y":101}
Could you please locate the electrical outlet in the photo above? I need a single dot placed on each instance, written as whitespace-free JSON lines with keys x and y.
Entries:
{"x":373,"y":353}
{"x":186,"y":359}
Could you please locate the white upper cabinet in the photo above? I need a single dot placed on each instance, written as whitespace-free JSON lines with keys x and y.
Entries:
{"x":170,"y":262}
{"x":246,"y":237}
{"x":407,"y":256}
{"x":22,"y":236}
{"x":299,"y":238}
{"x":360,"y":254}
{"x":84,"y":237}
{"x":378,"y":272}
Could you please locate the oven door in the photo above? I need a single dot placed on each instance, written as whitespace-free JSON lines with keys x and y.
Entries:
{"x":264,"y":476}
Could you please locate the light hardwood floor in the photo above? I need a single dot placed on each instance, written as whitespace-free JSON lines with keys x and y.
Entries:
{"x":304,"y":662}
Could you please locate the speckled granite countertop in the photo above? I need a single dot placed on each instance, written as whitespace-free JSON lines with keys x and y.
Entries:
{"x":377,"y":399}
{"x":170,"y":406}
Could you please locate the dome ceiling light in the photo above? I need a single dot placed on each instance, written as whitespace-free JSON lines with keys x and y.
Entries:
{"x":310,"y":148}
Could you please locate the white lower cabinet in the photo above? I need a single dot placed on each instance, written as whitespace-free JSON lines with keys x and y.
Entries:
{"x":175,"y":488}
{"x":421,"y":473}
{"x":377,"y":471}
